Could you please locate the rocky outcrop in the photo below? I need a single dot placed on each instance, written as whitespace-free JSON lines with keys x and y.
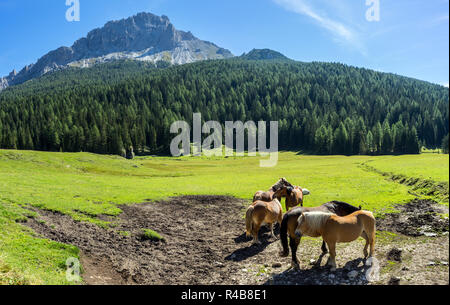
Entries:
{"x":145,"y":37}
{"x":3,"y":83}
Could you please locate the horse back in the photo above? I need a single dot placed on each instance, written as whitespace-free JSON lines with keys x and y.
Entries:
{"x":340,"y":208}
{"x":271,"y":206}
{"x":363,"y":214}
{"x":262,"y":196}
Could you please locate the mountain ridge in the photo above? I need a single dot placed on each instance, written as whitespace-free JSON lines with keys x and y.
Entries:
{"x":144,"y":37}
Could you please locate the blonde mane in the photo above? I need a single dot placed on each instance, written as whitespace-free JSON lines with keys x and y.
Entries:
{"x":314,"y":221}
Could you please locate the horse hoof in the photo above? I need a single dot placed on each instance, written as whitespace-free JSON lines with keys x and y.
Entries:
{"x":284,"y":254}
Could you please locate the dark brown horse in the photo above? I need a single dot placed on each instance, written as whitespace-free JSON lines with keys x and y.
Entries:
{"x":279,"y":188}
{"x":289,"y":225}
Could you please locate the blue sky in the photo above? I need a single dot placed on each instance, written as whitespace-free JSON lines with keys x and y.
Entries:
{"x":411,"y":37}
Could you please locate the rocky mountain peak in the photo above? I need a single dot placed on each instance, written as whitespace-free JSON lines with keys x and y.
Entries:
{"x":144,"y":36}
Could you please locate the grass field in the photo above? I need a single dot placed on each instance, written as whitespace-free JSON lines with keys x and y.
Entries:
{"x":425,"y":166}
{"x":85,"y":185}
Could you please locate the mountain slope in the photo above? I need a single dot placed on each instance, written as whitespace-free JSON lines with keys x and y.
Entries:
{"x":264,"y":54}
{"x":144,"y":37}
{"x":321,"y":108}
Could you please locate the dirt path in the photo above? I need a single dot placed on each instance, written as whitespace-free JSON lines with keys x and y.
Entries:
{"x":204,"y":244}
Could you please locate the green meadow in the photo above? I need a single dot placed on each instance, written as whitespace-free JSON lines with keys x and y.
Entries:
{"x":425,"y":166}
{"x":85,"y":185}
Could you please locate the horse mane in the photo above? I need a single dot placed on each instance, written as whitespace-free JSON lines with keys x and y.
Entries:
{"x":314,"y":221}
{"x":342,"y":208}
{"x":289,"y":190}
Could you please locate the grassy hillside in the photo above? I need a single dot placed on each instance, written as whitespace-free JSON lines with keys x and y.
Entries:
{"x":85,"y":185}
{"x":322,"y":108}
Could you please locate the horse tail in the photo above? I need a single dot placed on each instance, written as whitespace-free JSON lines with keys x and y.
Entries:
{"x":283,"y":235}
{"x":371,"y":222}
{"x":249,"y":220}
{"x":370,"y":229}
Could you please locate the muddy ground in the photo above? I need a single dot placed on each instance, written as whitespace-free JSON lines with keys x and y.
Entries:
{"x":204,"y":243}
{"x":416,"y":218}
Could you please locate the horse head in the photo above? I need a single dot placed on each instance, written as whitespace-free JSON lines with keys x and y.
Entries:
{"x":285,"y":182}
{"x":305,"y":192}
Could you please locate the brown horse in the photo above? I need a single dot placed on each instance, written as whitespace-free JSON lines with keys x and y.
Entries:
{"x":262,"y":212}
{"x":338,"y":229}
{"x":279,"y":187}
{"x":289,"y":225}
{"x":294,"y":195}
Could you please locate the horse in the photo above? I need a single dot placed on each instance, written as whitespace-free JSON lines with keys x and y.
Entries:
{"x":261,"y":212}
{"x":289,"y":225}
{"x":338,"y":229}
{"x":269,"y":195}
{"x":294,"y":196}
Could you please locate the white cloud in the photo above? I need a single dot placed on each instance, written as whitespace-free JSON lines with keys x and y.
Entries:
{"x":446,"y":84}
{"x":342,"y":32}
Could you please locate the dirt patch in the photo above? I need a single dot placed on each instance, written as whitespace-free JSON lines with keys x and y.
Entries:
{"x":395,"y":255}
{"x":204,"y":244}
{"x":199,"y":233}
{"x":416,"y":218}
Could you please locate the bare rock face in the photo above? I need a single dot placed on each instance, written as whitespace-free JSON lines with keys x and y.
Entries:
{"x":145,"y":37}
{"x":3,"y":83}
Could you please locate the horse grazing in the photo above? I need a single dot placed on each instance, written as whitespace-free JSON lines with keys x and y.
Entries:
{"x":289,"y":225}
{"x":261,"y":212}
{"x":338,"y":229}
{"x":278,"y":187}
{"x":294,"y":195}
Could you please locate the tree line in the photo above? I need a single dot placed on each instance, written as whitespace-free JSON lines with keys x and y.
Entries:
{"x":322,"y":108}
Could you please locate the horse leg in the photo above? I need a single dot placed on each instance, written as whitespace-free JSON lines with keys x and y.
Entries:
{"x":372,"y":242}
{"x":324,"y":248}
{"x":293,"y":243}
{"x":364,"y":235}
{"x":332,"y":259}
{"x":255,"y":232}
{"x":271,"y":230}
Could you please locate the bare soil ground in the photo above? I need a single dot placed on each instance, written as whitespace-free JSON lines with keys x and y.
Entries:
{"x":204,"y":243}
{"x":416,"y":218}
